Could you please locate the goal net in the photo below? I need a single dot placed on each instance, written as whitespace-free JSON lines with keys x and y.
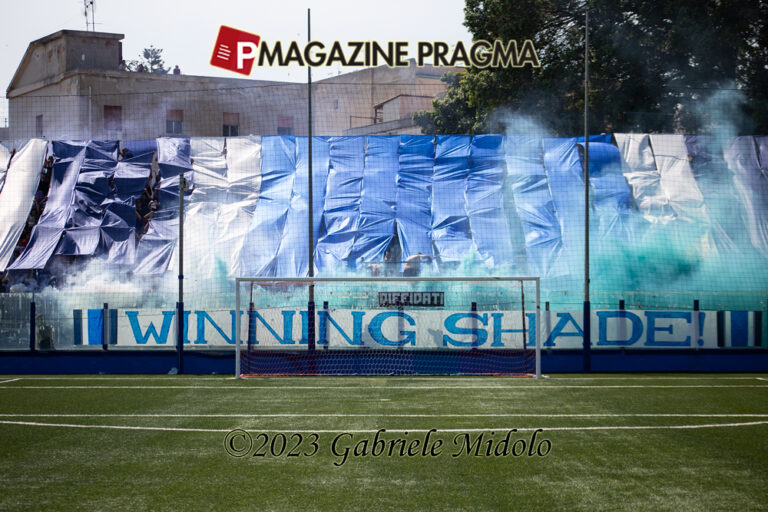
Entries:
{"x":387,"y":326}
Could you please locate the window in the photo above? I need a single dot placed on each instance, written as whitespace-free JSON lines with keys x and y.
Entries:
{"x":39,"y":126}
{"x":113,"y":117}
{"x":285,"y":125}
{"x":174,"y":122}
{"x":231,"y":124}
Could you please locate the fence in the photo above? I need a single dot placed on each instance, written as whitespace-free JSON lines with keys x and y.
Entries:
{"x":678,"y":222}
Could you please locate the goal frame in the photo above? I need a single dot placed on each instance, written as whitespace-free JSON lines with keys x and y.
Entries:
{"x":312,"y":280}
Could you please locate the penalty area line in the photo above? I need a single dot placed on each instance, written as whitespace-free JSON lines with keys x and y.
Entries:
{"x":7,"y":381}
{"x":402,"y":431}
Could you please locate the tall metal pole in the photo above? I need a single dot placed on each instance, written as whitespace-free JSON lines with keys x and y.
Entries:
{"x":587,"y":309}
{"x":310,"y":208}
{"x":180,"y":303}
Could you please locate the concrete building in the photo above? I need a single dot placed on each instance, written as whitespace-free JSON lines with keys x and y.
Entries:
{"x":68,"y":85}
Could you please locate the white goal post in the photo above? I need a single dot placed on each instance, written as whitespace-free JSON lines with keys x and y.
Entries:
{"x":402,"y":297}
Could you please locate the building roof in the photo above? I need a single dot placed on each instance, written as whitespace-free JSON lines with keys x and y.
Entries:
{"x":52,"y":37}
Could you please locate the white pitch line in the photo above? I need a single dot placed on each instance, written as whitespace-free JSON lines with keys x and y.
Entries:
{"x":374,"y":377}
{"x":390,"y":388}
{"x":370,"y":431}
{"x":385,"y":415}
{"x":12,"y":380}
{"x":139,"y":378}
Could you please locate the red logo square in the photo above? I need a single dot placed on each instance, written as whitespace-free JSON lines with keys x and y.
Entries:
{"x":235,"y":50}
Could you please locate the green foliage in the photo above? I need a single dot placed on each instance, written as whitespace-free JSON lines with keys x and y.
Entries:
{"x":651,"y":64}
{"x":151,"y":60}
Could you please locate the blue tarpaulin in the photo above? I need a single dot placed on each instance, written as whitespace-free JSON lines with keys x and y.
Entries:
{"x":263,"y":240}
{"x":450,"y":219}
{"x":566,"y":183}
{"x":414,"y":193}
{"x":485,"y":201}
{"x":156,"y":247}
{"x":453,"y":198}
{"x":377,"y":200}
{"x":293,"y":254}
{"x":535,"y":207}
{"x":341,"y":215}
{"x":91,"y":206}
{"x":610,"y":195}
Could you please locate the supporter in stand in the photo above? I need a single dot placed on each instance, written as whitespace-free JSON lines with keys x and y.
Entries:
{"x":412,"y":264}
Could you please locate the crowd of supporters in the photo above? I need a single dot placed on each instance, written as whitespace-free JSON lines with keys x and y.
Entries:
{"x":34,"y":280}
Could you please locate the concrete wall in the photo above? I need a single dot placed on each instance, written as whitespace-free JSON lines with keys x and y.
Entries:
{"x":69,"y":77}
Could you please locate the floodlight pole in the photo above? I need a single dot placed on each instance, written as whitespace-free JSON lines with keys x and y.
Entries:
{"x":310,"y":208}
{"x":587,"y":344}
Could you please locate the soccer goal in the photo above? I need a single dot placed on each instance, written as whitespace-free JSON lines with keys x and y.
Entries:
{"x":387,"y":326}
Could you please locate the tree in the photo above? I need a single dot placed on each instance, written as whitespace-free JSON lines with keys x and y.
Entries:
{"x":150,"y":59}
{"x":651,"y":66}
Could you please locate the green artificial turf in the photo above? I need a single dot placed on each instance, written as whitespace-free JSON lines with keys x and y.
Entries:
{"x":167,"y":460}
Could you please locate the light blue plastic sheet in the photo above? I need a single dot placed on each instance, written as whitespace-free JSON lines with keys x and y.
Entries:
{"x":341,"y":215}
{"x":377,"y":200}
{"x":564,"y":170}
{"x":485,"y":201}
{"x":293,"y":254}
{"x":265,"y":236}
{"x":604,"y":138}
{"x":610,"y":194}
{"x":414,"y":192}
{"x":535,"y":208}
{"x":450,"y":220}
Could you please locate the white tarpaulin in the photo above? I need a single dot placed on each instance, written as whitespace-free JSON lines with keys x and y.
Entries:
{"x":18,"y":194}
{"x":751,"y":188}
{"x":221,"y":206}
{"x":5,"y":158}
{"x":644,"y":178}
{"x":685,"y":198}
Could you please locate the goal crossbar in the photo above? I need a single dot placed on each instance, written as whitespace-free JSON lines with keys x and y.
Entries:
{"x":389,"y":280}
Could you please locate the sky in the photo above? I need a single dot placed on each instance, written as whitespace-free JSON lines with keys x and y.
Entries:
{"x":186,"y":30}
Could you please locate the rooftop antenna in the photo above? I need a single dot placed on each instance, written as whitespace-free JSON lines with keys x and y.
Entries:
{"x":88,"y":4}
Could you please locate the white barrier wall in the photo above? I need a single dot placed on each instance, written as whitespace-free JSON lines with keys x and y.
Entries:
{"x":287,"y":329}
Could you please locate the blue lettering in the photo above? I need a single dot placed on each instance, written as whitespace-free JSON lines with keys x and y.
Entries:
{"x":287,"y":338}
{"x":305,"y":328}
{"x":498,"y":331}
{"x":652,"y":316}
{"x":357,"y":328}
{"x":602,"y":318}
{"x":141,"y":338}
{"x":374,"y":329}
{"x":481,"y":335}
{"x":562,"y":323}
{"x":202,"y":316}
